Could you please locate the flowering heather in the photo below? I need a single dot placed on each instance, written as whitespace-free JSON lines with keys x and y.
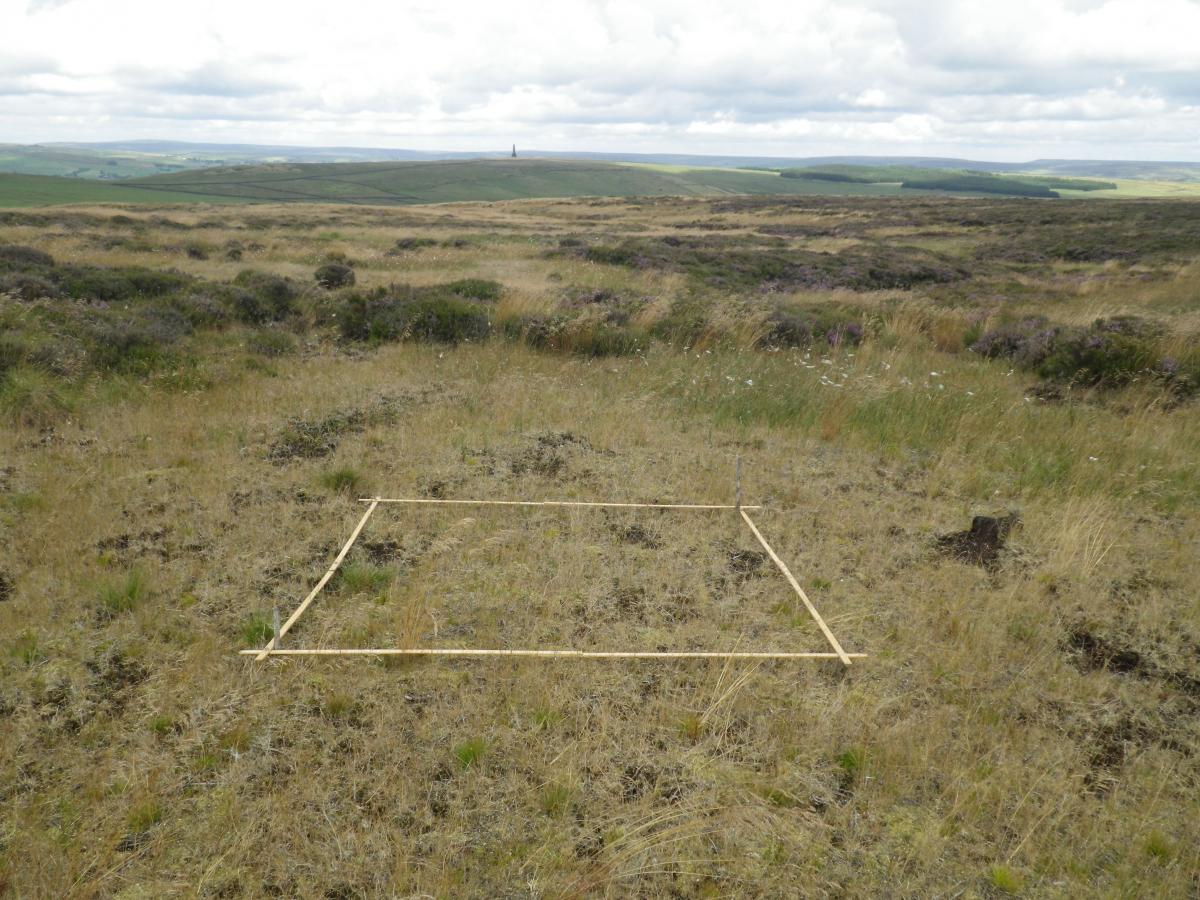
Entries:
{"x":1028,"y":341}
{"x":1107,"y":352}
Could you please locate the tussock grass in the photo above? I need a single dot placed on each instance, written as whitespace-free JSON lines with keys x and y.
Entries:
{"x":343,"y":480}
{"x":124,"y":595}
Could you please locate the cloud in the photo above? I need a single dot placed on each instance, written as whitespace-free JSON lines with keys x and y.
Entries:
{"x":212,"y":79}
{"x":1121,"y":77}
{"x":37,"y":6}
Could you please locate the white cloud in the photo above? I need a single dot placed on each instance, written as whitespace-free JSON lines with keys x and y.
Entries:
{"x":1026,"y":77}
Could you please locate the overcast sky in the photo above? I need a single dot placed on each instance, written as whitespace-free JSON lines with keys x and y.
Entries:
{"x":1006,"y":80}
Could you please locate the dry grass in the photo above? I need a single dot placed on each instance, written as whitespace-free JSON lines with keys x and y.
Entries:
{"x":1029,"y":729}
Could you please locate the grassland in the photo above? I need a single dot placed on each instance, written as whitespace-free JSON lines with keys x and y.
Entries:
{"x":43,"y":190}
{"x":190,"y":417}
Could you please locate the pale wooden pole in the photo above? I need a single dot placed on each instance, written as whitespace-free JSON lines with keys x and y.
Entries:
{"x":553,"y":503}
{"x":565,"y":654}
{"x":737,"y":484}
{"x":291,"y":620}
{"x":812,"y":610}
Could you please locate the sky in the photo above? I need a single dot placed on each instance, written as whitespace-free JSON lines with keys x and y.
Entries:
{"x":1011,"y":80}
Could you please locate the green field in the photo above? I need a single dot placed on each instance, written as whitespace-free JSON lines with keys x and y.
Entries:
{"x":46,"y":190}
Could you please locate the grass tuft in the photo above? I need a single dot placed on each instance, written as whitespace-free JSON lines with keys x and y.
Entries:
{"x":555,"y":800}
{"x":145,"y":815}
{"x":1158,"y":847}
{"x":25,"y":648}
{"x":257,"y":629}
{"x":343,"y":480}
{"x":471,"y":752}
{"x":31,"y":397}
{"x":1004,"y":879}
{"x":124,"y":595}
{"x":363,"y":578}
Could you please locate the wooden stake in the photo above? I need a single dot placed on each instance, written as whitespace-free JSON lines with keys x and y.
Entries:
{"x":555,"y":503}
{"x":567,"y":654}
{"x":275,"y":627}
{"x":272,"y":644}
{"x":737,"y":483}
{"x":812,"y":610}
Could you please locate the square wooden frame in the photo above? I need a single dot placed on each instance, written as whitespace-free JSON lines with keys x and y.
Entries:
{"x":273,"y":647}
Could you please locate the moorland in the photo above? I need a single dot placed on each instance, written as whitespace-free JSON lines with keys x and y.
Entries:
{"x":195,"y":397}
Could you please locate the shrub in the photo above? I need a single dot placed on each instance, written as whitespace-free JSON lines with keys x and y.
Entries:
{"x":270,"y":342}
{"x":113,"y":285}
{"x":847,"y":334}
{"x":476,"y":289}
{"x":605,"y":340}
{"x":334,"y":275}
{"x":1027,"y":342}
{"x":540,"y":332}
{"x":1093,"y":358}
{"x":129,"y":346}
{"x":201,"y":310}
{"x":28,"y":286}
{"x":15,"y":256}
{"x":411,"y":243}
{"x":263,"y":298}
{"x":444,"y":319}
{"x":1109,"y":352}
{"x":790,"y":327}
{"x":196,"y":251}
{"x":312,"y":439}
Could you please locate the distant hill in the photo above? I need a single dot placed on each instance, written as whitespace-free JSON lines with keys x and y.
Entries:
{"x":953,"y":180}
{"x":478,"y":179}
{"x":447,"y":181}
{"x":130,"y":159}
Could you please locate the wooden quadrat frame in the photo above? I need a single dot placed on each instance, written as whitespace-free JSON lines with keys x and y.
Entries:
{"x":274,"y":646}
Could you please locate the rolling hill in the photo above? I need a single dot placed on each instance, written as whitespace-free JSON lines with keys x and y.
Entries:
{"x":449,"y":181}
{"x":477,"y":179}
{"x":187,"y":155}
{"x":406,"y":183}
